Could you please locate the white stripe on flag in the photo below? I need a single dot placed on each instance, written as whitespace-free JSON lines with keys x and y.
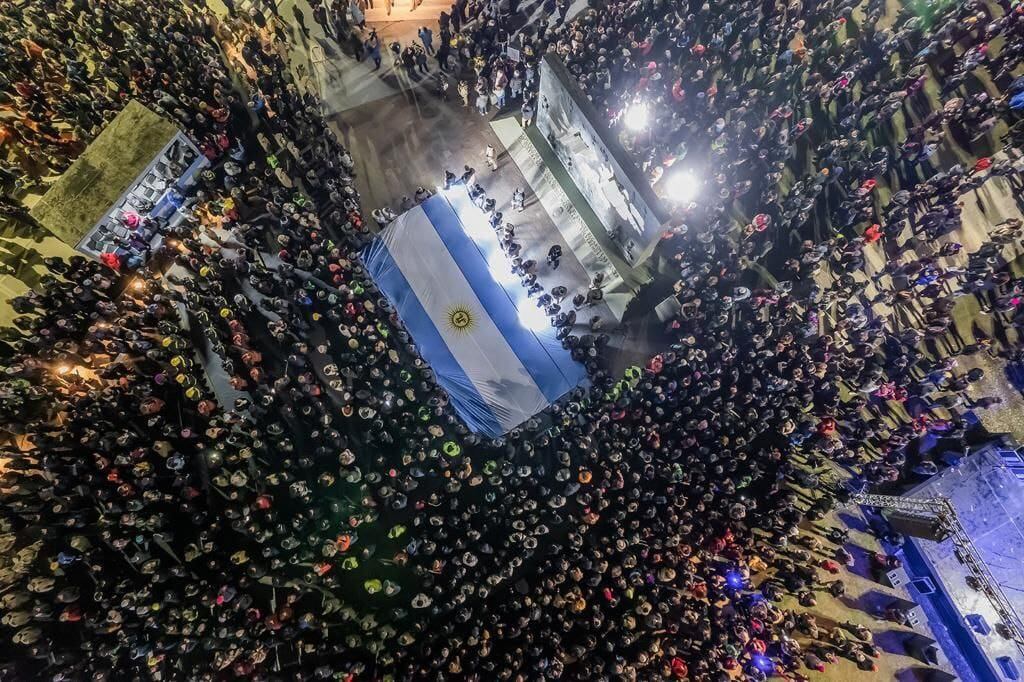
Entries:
{"x":481,"y":350}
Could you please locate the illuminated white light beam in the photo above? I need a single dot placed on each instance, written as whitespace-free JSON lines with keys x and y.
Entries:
{"x":501,"y":269}
{"x":636,"y":116}
{"x":532,"y":317}
{"x":682,"y":186}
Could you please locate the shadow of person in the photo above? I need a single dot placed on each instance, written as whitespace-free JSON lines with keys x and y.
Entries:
{"x":871,"y":602}
{"x":891,"y":641}
{"x":853,"y":522}
{"x":25,"y":263}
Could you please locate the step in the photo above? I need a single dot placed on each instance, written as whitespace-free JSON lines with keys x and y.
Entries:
{"x":401,"y":10}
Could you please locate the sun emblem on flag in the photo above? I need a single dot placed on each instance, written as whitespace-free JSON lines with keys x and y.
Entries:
{"x":460,"y":319}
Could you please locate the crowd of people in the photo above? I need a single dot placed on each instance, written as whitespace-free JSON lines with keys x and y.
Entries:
{"x":336,"y":520}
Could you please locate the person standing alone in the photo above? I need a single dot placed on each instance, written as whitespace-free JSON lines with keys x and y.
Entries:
{"x":321,"y":18}
{"x":373,"y":49}
{"x":427,"y":38}
{"x":358,"y":17}
{"x":519,"y":199}
{"x":555,"y":256}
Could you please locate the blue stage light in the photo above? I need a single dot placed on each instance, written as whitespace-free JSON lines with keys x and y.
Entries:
{"x":763,"y":663}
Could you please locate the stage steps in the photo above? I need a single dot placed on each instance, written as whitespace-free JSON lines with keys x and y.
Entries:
{"x":401,"y":10}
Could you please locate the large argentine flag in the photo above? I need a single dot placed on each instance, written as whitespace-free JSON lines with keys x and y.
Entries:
{"x":438,"y":265}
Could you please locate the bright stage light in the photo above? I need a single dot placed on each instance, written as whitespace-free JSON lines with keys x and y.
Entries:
{"x":682,"y":186}
{"x":478,"y":228}
{"x":635,"y":117}
{"x":532,"y":317}
{"x":734,"y":579}
{"x":501,"y":269}
{"x":763,"y":663}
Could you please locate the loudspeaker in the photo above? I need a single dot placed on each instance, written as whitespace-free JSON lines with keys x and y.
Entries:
{"x":897,"y":577}
{"x":915,"y":617}
{"x":917,"y":526}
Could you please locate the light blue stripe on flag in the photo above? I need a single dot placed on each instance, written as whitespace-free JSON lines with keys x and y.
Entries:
{"x":465,"y":398}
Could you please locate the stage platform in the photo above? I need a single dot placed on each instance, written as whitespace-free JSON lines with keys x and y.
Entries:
{"x":989,"y":499}
{"x":571,"y":214}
